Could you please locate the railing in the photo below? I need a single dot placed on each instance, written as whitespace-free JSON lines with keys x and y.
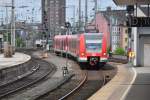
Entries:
{"x":119,"y":57}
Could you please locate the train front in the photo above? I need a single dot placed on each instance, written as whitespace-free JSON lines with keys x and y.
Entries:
{"x":93,"y":48}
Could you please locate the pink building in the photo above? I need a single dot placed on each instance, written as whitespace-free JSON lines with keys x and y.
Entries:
{"x":102,"y":25}
{"x":111,"y":23}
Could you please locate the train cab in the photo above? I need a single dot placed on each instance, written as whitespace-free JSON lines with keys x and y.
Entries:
{"x":93,"y":48}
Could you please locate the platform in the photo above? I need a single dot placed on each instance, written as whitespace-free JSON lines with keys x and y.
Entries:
{"x":17,"y":59}
{"x":119,"y":86}
{"x":54,"y":82}
{"x":140,"y":89}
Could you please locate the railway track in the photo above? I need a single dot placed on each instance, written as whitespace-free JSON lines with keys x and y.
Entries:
{"x":87,"y":87}
{"x":42,"y":68}
{"x":75,"y":89}
{"x":79,"y":88}
{"x":82,"y":90}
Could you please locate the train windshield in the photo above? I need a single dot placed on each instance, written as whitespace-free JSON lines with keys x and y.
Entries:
{"x":93,"y":42}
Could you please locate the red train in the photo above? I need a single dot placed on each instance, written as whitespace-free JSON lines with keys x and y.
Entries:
{"x":86,"y":48}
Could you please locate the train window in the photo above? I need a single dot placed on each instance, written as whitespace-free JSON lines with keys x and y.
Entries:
{"x":93,"y":42}
{"x":93,"y":36}
{"x":56,"y":43}
{"x":93,"y":47}
{"x":61,"y":44}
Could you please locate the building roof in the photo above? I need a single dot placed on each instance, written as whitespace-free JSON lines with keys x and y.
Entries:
{"x":131,"y":2}
{"x":120,"y":15}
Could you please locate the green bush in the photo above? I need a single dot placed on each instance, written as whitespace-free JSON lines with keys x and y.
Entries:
{"x":7,"y":36}
{"x":19,"y":42}
{"x":120,"y":51}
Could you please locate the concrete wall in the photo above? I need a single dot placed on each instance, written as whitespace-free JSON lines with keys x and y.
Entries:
{"x":144,"y":38}
{"x":141,"y":37}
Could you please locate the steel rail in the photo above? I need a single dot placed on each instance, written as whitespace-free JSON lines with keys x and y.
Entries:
{"x":75,"y":89}
{"x":29,"y":84}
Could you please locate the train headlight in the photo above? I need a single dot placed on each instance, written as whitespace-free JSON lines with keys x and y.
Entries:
{"x":104,"y":54}
{"x":82,"y":54}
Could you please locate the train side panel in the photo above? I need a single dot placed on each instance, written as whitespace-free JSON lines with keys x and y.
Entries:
{"x":104,"y":56}
{"x":91,"y":48}
{"x":82,"y":49}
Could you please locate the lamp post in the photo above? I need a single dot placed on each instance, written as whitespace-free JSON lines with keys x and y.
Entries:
{"x":7,"y":23}
{"x":13,"y":26}
{"x":79,"y":16}
{"x":67,"y":25}
{"x":86,"y":14}
{"x":73,"y":19}
{"x":130,"y":12}
{"x":95,"y":12}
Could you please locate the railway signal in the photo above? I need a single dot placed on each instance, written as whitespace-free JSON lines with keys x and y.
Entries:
{"x":67,"y":25}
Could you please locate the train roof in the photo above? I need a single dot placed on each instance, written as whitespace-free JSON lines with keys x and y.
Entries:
{"x":75,"y":35}
{"x":64,"y":36}
{"x":93,"y":33}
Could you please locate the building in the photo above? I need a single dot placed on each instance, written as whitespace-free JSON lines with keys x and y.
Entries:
{"x":112,"y":23}
{"x":53,"y":16}
{"x":117,"y":27}
{"x":124,"y":39}
{"x":100,"y":24}
{"x":139,"y":40}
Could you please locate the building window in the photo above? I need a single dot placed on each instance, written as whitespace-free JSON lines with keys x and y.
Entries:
{"x":113,"y":20}
{"x":57,"y":1}
{"x":57,"y":15}
{"x":51,"y":1}
{"x":57,"y":5}
{"x":56,"y":12}
{"x":126,"y":39}
{"x":56,"y":23}
{"x":126,"y":31}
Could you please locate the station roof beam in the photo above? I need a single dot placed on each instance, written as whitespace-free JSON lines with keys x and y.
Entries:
{"x":131,"y":2}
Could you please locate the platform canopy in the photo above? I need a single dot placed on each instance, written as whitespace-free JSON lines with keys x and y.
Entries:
{"x":131,"y":2}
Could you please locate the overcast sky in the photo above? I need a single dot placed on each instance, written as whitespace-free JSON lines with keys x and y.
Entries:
{"x":28,"y":9}
{"x":101,"y":5}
